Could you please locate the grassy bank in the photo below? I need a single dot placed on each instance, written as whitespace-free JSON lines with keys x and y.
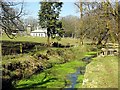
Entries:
{"x":56,"y":77}
{"x":55,"y":64}
{"x":102,"y":72}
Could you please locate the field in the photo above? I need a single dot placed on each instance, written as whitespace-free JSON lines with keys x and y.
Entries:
{"x":40,"y":39}
{"x":49,"y":67}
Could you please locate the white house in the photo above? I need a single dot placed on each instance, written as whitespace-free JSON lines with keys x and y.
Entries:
{"x":40,"y":32}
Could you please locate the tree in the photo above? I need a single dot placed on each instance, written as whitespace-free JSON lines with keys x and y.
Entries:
{"x":84,"y":8}
{"x":33,"y":22}
{"x":99,"y":21}
{"x":49,"y":18}
{"x":10,"y":17}
{"x":80,"y":6}
{"x":70,"y":25}
{"x":119,"y":22}
{"x":109,"y":14}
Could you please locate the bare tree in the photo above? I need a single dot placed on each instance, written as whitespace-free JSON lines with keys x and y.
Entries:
{"x":100,"y":19}
{"x":10,"y":17}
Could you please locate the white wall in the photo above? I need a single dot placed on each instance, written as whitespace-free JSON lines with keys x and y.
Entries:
{"x":38,"y":34}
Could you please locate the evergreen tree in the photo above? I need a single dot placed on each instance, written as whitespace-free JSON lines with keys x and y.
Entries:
{"x":49,"y":18}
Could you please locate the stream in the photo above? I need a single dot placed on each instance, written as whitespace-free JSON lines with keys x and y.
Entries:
{"x":73,"y":78}
{"x":79,"y":71}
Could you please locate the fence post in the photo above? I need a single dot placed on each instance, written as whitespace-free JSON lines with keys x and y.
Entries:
{"x":21,"y":48}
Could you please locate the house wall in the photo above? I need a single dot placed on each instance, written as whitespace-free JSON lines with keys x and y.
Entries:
{"x":38,"y":34}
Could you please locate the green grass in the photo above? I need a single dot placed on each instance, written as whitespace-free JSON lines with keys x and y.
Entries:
{"x":25,"y":38}
{"x":64,"y":41}
{"x":91,"y":53}
{"x":102,"y":72}
{"x":79,"y":81}
{"x":16,"y":58}
{"x":55,"y":77}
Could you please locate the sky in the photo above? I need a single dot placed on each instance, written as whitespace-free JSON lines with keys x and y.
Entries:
{"x":32,"y":9}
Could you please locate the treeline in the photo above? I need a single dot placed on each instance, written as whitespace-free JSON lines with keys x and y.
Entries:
{"x":98,"y":21}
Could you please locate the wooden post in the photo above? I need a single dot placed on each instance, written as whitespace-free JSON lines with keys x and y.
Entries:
{"x":48,"y":41}
{"x":36,"y":47}
{"x":21,"y":48}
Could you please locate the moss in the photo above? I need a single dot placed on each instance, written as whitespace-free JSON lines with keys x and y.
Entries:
{"x":79,"y":81}
{"x":54,"y":77}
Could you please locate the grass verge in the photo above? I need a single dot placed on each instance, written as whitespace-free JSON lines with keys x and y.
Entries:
{"x":102,"y":72}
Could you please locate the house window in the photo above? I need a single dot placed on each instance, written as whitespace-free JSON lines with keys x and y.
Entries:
{"x":41,"y":35}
